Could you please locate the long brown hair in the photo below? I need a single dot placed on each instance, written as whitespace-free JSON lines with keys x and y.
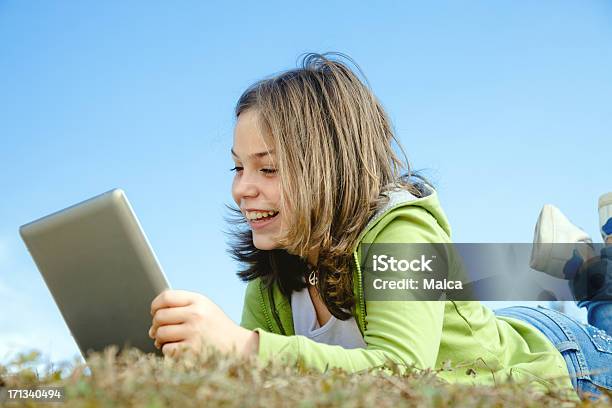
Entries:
{"x":333,"y":144}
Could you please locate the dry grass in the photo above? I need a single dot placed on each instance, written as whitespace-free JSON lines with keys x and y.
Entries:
{"x":212,"y":379}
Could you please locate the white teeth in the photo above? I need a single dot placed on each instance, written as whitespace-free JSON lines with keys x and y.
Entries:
{"x":255,"y":215}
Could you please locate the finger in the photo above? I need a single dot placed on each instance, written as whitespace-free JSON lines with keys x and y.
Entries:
{"x":173,"y":349}
{"x":172,"y":315}
{"x":152,"y":331}
{"x":172,"y":333}
{"x":171,"y":298}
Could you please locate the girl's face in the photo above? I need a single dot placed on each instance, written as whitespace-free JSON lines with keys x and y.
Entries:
{"x":256,"y":187}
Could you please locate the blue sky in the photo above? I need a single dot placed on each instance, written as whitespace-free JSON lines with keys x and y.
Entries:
{"x":505,"y":106}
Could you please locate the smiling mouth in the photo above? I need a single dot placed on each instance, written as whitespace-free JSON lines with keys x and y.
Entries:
{"x":260,"y":216}
{"x":263,"y":219}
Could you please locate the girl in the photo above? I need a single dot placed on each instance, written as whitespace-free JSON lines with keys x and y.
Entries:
{"x":316,"y":177}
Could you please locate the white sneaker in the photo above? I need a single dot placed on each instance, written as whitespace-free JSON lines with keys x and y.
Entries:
{"x":605,"y":215}
{"x":551,"y":252}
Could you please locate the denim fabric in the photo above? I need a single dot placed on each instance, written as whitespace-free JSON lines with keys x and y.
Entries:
{"x":587,"y":350}
{"x":600,"y":311}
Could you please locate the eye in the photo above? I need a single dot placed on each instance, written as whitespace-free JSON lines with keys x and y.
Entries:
{"x":268,"y":171}
{"x":236,"y":169}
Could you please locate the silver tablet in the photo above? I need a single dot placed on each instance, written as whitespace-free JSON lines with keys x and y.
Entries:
{"x":101,"y":271}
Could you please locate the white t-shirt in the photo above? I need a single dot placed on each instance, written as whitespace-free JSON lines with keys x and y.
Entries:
{"x":343,"y":333}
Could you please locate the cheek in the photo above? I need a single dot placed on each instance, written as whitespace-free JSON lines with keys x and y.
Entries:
{"x":273,"y":191}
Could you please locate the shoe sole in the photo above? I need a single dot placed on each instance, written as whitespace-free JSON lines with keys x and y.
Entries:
{"x":605,"y":200}
{"x":548,"y":254}
{"x":544,"y":252}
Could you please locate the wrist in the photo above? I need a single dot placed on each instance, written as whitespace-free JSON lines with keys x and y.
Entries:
{"x":251,"y":343}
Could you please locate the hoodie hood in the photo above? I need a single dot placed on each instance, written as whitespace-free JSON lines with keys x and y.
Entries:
{"x":400,"y":197}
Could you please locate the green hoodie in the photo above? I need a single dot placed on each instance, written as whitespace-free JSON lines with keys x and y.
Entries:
{"x":481,"y":347}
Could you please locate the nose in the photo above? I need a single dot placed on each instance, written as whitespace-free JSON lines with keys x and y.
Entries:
{"x":245,"y":186}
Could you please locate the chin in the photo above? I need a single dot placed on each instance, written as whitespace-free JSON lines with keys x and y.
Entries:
{"x":264,"y":244}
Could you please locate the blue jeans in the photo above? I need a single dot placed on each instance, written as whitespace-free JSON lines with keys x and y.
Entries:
{"x":586,"y":348}
{"x":600,"y":311}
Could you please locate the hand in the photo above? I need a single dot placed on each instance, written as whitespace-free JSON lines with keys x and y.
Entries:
{"x":182,"y":318}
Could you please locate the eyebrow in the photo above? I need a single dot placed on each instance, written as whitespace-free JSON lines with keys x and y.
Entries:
{"x":255,"y":155}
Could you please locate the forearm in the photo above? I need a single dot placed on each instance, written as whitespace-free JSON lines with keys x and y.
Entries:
{"x":304,"y":352}
{"x":407,"y":333}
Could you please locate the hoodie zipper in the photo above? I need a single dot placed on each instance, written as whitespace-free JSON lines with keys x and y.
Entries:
{"x":263,"y":307}
{"x":361,"y":296}
{"x":274,"y":311}
{"x":359,"y":277}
